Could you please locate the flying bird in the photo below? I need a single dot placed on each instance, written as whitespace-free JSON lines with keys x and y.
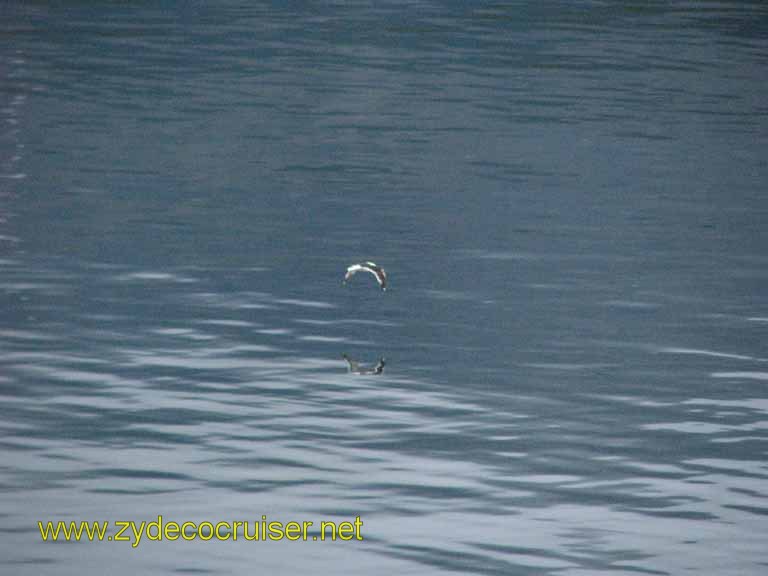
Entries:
{"x":355,"y":368}
{"x":375,"y":269}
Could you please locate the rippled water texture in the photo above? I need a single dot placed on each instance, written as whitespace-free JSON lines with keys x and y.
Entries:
{"x":569,"y":199}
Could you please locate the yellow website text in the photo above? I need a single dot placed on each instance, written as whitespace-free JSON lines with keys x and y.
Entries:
{"x":159,"y":530}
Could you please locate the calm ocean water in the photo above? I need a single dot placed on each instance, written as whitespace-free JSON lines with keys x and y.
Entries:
{"x":570,"y":201}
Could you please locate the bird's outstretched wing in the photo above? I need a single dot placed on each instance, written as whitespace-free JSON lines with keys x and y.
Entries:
{"x":353,"y":366}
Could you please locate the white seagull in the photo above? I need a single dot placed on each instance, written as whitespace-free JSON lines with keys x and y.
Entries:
{"x":354,"y":367}
{"x":375,"y":269}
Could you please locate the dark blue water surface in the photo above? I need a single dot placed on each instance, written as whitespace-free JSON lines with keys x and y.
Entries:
{"x":571,"y":202}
